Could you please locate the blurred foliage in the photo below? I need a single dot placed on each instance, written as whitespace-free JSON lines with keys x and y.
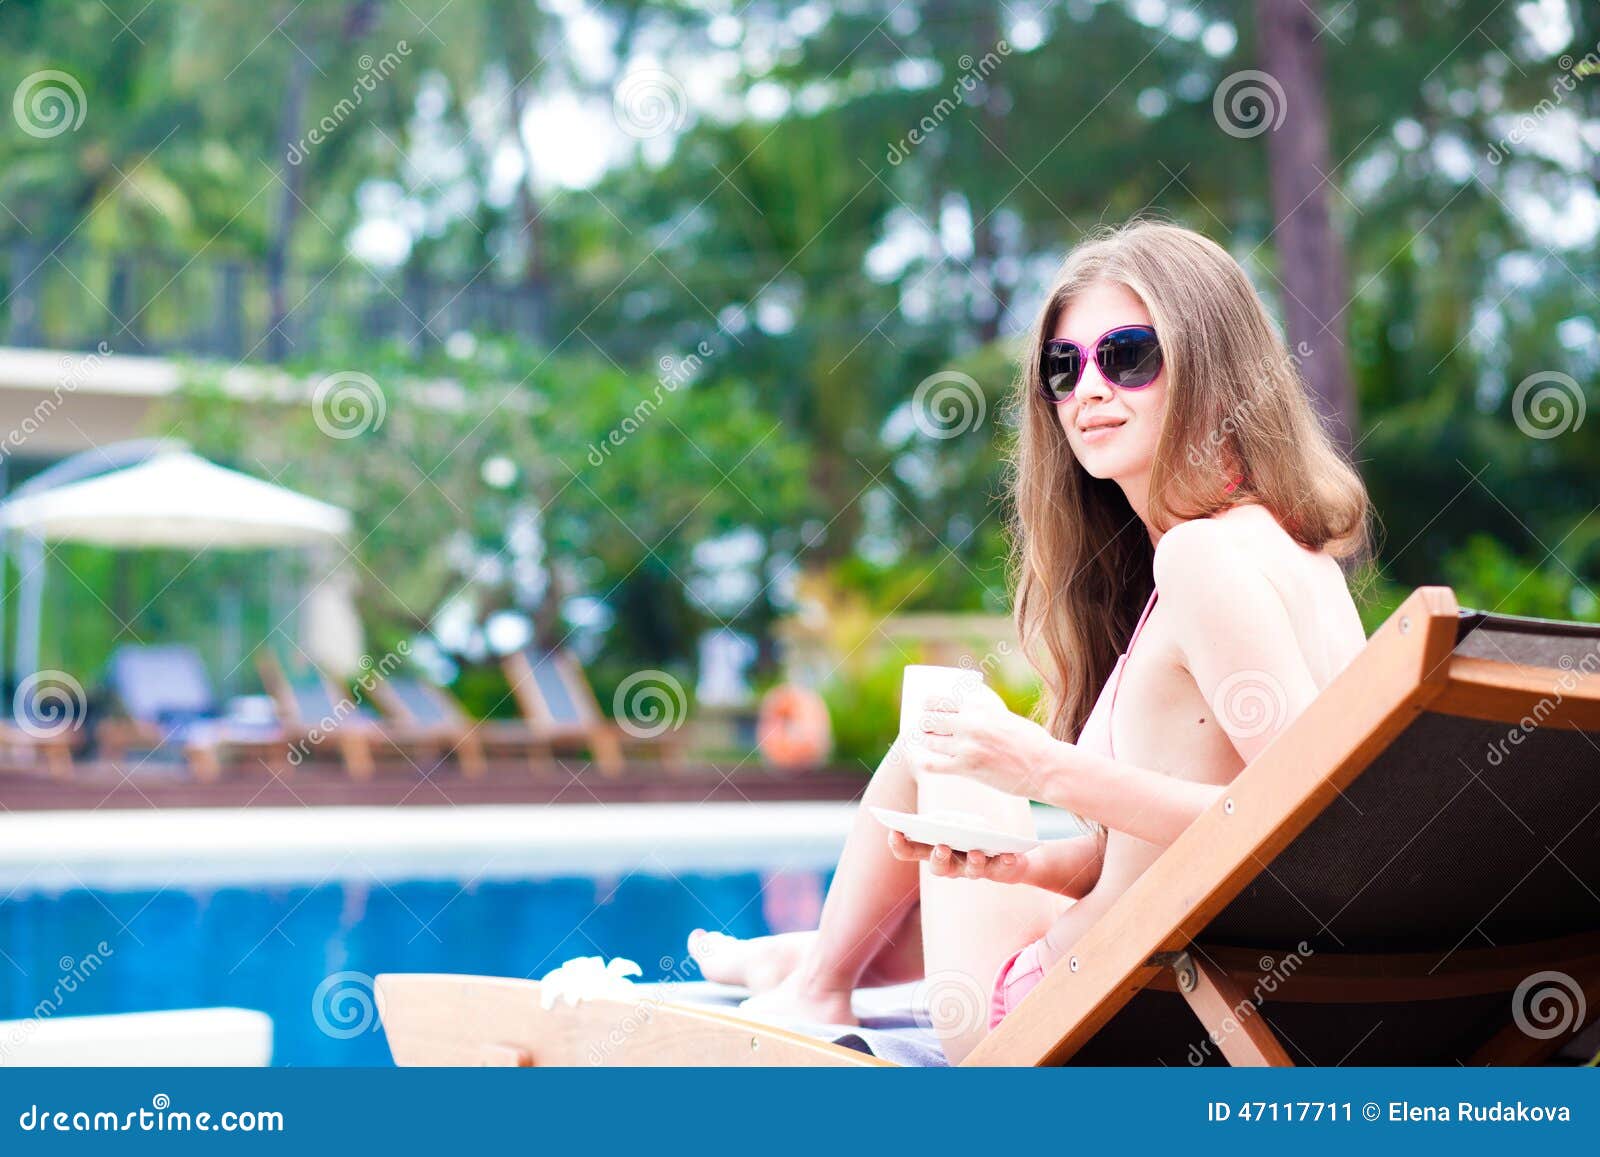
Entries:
{"x":829,"y":279}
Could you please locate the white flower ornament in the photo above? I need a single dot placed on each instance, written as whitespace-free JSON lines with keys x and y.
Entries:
{"x":588,"y":978}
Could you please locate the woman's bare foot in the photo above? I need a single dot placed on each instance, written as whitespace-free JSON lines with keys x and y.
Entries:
{"x":800,"y":999}
{"x":758,"y":964}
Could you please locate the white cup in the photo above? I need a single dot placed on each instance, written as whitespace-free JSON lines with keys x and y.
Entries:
{"x":955,"y":795}
{"x":921,"y":683}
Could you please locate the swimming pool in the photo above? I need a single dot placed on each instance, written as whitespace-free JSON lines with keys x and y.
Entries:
{"x":293,"y":913}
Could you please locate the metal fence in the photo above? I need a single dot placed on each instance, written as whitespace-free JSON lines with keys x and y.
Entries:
{"x":74,"y":296}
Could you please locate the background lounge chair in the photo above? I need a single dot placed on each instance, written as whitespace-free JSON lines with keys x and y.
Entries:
{"x":424,"y":708}
{"x":559,"y":705}
{"x":166,"y":699}
{"x":1408,"y":874}
{"x":21,"y":749}
{"x":311,"y":708}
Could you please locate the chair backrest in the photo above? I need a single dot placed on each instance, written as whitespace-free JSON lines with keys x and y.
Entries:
{"x":559,"y":691}
{"x":1469,"y":846}
{"x":154,"y":683}
{"x":1451,"y":816}
{"x":305,"y":699}
{"x":422,"y":703}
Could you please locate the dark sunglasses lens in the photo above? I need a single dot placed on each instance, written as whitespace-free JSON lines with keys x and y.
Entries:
{"x":1129,"y":358}
{"x":1061,"y":368}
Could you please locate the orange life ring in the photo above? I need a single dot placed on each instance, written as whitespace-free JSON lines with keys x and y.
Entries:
{"x":792,"y":727}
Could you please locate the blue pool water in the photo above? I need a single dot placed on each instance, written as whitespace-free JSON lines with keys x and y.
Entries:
{"x":300,"y":954}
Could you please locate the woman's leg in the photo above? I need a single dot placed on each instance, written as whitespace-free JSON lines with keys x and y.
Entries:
{"x":865,"y":912}
{"x":970,"y":927}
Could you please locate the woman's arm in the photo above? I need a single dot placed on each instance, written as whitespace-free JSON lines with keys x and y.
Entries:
{"x":1069,"y":867}
{"x":1066,"y":867}
{"x":1147,"y":805}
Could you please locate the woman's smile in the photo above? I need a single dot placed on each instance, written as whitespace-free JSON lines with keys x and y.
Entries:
{"x":1099,"y":428}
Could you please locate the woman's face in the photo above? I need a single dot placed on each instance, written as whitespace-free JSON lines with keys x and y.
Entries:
{"x":1113,"y":432}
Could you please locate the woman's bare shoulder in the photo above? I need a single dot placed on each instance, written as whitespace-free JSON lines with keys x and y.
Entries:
{"x":1242,"y":546}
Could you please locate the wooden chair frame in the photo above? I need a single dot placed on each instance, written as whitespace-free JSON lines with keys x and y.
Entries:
{"x":604,"y":739}
{"x":1146,"y":939}
{"x":470,"y":740}
{"x":57,"y":750}
{"x":353,"y":744}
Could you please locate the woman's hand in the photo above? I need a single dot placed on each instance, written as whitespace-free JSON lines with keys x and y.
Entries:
{"x":974,"y":735}
{"x":1007,"y":868}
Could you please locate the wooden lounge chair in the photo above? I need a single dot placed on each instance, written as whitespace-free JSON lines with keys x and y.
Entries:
{"x":166,"y":699}
{"x":26,"y":750}
{"x":314,"y":708}
{"x":558,"y":703}
{"x":424,"y":708}
{"x":1410,"y":862}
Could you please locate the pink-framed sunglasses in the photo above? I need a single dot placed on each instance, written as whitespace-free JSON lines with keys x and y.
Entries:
{"x":1129,"y":357}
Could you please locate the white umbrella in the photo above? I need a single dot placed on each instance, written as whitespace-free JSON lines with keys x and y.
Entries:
{"x":179,"y":500}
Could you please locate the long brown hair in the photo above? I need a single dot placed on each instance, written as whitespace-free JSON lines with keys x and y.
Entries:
{"x":1236,"y":405}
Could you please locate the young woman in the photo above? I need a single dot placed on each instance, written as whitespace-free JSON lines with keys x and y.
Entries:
{"x":1176,"y":500}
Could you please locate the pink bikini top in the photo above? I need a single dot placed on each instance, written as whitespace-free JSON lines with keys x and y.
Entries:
{"x":1095,"y":734}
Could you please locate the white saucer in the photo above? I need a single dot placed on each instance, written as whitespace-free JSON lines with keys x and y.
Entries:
{"x":960,"y":837}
